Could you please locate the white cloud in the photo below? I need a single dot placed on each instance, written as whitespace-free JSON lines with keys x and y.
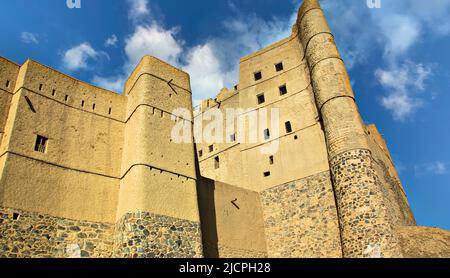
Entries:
{"x":433,"y":168}
{"x":77,"y":57}
{"x":111,"y":41}
{"x":139,"y":9}
{"x":403,"y":85}
{"x":153,"y":40}
{"x":29,"y":38}
{"x":212,"y":64}
{"x":114,"y":83}
{"x":397,"y":28}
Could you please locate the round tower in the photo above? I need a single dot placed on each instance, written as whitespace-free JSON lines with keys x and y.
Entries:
{"x":366,"y":227}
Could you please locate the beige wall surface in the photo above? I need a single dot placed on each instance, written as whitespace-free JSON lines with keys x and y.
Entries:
{"x":229,"y":230}
{"x":8,"y":76}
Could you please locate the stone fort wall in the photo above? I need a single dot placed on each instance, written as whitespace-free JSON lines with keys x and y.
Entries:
{"x":108,"y":180}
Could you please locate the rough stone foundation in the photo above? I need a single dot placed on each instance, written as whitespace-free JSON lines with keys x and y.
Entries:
{"x":147,"y":235}
{"x":33,"y":235}
{"x":300,"y":219}
{"x":366,"y":227}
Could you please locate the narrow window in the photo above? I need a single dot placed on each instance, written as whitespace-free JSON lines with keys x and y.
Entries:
{"x":53,"y":92}
{"x":41,"y":144}
{"x":271,"y":160}
{"x":235,"y":87}
{"x":211,"y":148}
{"x":66,"y":98}
{"x":258,"y":75}
{"x":216,"y":162}
{"x":288,"y":127}
{"x":15,"y":216}
{"x":82,"y":103}
{"x":110,"y":111}
{"x":283,"y":90}
{"x":261,"y":99}
{"x":279,"y":67}
{"x":295,"y":137}
{"x":233,"y":137}
{"x":93,"y":106}
{"x":200,"y":153}
{"x":266,"y":174}
{"x":7,"y":83}
{"x":266,"y":134}
{"x":41,"y":86}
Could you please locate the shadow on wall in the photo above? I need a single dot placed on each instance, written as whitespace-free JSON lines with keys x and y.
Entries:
{"x":207,"y":208}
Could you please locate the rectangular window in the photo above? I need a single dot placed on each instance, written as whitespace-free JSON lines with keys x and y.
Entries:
{"x":216,"y":162}
{"x":266,"y":134}
{"x":261,"y":99}
{"x":279,"y":67}
{"x":66,"y":98}
{"x":266,"y":174}
{"x":40,"y":87}
{"x":93,"y":106}
{"x":53,"y":92}
{"x":271,"y":160}
{"x":109,"y":111}
{"x":283,"y":90}
{"x":211,"y":148}
{"x":200,"y":153}
{"x":41,"y":144}
{"x":233,"y":137}
{"x":258,"y":75}
{"x":7,"y":83}
{"x":288,"y":127}
{"x":82,"y":103}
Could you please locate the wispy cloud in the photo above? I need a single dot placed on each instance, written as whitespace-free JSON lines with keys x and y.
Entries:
{"x":431,"y":168}
{"x":396,"y":29}
{"x":212,"y":64}
{"x":29,"y":38}
{"x":77,"y":57}
{"x":111,"y":41}
{"x":403,"y":83}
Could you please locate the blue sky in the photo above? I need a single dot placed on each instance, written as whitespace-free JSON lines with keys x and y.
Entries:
{"x":397,"y":57}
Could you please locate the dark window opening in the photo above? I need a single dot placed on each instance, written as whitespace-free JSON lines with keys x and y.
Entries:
{"x":211,"y":148}
{"x":283,"y":90}
{"x":200,"y":153}
{"x":40,"y":87}
{"x":271,"y":160}
{"x":235,"y":87}
{"x":295,"y":137}
{"x":258,"y":75}
{"x":233,"y":137}
{"x":216,"y":162}
{"x":266,"y":174}
{"x":93,"y":106}
{"x":66,"y":98}
{"x":109,"y":111}
{"x":261,"y":98}
{"x":82,"y":103}
{"x":7,"y":83}
{"x":53,"y":92}
{"x":41,"y":144}
{"x":266,"y":134}
{"x":16,"y":216}
{"x":288,"y":127}
{"x":279,"y":67}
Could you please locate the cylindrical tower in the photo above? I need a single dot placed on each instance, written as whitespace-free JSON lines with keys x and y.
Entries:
{"x":158,"y":212}
{"x":366,"y":227}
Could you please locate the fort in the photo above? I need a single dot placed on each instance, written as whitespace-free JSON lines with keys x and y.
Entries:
{"x":86,"y":172}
